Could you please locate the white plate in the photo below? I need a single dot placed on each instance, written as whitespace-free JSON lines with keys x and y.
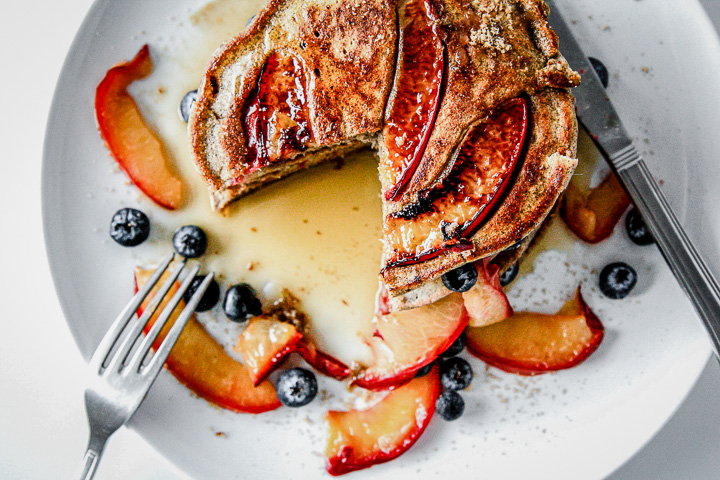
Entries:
{"x":582,"y":423}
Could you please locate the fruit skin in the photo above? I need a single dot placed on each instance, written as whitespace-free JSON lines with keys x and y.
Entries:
{"x":457,"y":346}
{"x":486,"y":302}
{"x":129,"y":227}
{"x":592,"y":217}
{"x":450,"y":405}
{"x":461,"y":279}
{"x":321,"y":361}
{"x":418,"y":91}
{"x":209,"y":298}
{"x":201,"y":364}
{"x":531,"y":343}
{"x":601,"y":71}
{"x":617,"y":280}
{"x":636,"y":228}
{"x":408,"y":340}
{"x":510,"y":274}
{"x":133,"y":145}
{"x":359,"y":439}
{"x":190,"y":241}
{"x":296,"y":387}
{"x":241,"y":303}
{"x":455,"y":373}
{"x":186,"y":104}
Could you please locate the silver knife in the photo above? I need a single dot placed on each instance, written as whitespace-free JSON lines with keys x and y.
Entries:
{"x":596,"y":113}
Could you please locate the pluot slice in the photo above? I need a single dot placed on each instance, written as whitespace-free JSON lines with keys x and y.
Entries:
{"x":482,"y":174}
{"x":200,"y":363}
{"x":407,"y":340}
{"x":130,"y":141}
{"x":416,"y":96}
{"x":533,"y":343}
{"x":276,"y":118}
{"x":361,"y":438}
{"x":264,"y":343}
{"x":486,"y":302}
{"x":321,"y":361}
{"x":592,"y":217}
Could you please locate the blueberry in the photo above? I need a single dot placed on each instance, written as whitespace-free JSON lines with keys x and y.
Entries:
{"x":509,"y":274}
{"x":424,"y":370}
{"x":617,"y":280}
{"x":129,"y":227}
{"x":457,"y":346}
{"x":450,"y":405}
{"x":186,"y":105}
{"x":455,"y":374}
{"x":241,"y":303}
{"x":601,"y":70}
{"x":296,"y":387}
{"x":461,"y":279}
{"x":190,"y":241}
{"x":636,"y":228}
{"x":209,"y":298}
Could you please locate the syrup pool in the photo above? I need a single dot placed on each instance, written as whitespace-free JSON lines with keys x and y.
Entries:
{"x":316,"y":233}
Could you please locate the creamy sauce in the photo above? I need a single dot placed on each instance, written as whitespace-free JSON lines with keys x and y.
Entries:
{"x":316,"y":233}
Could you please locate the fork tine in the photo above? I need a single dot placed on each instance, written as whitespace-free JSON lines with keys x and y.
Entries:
{"x":116,"y":363}
{"x":171,"y":338}
{"x":113,"y":334}
{"x":137,"y":359}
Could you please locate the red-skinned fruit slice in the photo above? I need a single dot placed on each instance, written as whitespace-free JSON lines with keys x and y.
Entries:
{"x":416,"y":98}
{"x":276,"y":119}
{"x":321,"y":361}
{"x":486,"y":302}
{"x":481,"y":177}
{"x":533,"y":343}
{"x":201,"y":364}
{"x":130,"y":141}
{"x":592,"y":217}
{"x":264,"y":343}
{"x":407,"y":340}
{"x":359,"y":439}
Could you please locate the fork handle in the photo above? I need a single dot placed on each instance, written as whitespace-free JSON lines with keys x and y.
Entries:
{"x":91,"y":460}
{"x":685,"y":262}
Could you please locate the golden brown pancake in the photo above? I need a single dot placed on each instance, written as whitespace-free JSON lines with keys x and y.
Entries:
{"x":341,"y":62}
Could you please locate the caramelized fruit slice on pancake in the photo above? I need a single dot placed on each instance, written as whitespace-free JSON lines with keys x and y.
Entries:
{"x":450,"y":214}
{"x":416,"y":96}
{"x":276,"y":117}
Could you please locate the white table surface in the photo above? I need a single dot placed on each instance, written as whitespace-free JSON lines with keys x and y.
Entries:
{"x":43,"y":430}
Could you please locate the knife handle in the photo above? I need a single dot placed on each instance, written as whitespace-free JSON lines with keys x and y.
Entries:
{"x":685,"y":262}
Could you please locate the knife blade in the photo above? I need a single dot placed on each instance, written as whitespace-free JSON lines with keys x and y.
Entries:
{"x":597,"y":114}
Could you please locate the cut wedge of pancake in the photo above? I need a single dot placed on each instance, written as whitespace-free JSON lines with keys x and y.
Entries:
{"x":431,"y":84}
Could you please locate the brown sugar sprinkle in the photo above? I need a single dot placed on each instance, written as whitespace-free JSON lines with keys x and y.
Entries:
{"x":319,"y":232}
{"x":344,"y":302}
{"x":305,"y":220}
{"x":220,"y":434}
{"x":253,"y":229}
{"x":251,"y":266}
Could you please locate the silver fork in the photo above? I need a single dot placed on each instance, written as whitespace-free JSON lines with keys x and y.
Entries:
{"x":121,"y":373}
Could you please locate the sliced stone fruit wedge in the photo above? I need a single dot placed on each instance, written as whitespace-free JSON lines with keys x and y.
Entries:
{"x":531,"y":343}
{"x":276,"y":119}
{"x":592,"y":216}
{"x":361,"y":438}
{"x":200,"y":363}
{"x":264,"y":343}
{"x":407,"y":340}
{"x":447,"y":216}
{"x":130,"y":141}
{"x":416,"y":96}
{"x":486,"y":302}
